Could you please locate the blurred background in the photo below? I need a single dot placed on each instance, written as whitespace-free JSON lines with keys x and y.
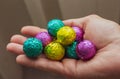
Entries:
{"x":14,"y":14}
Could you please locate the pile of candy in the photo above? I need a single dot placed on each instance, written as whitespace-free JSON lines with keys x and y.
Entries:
{"x":60,"y":41}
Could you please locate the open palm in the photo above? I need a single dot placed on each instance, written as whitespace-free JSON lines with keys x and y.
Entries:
{"x":103,"y":33}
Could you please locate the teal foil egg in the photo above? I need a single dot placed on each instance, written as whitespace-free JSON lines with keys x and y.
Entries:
{"x":71,"y":50}
{"x":53,"y":26}
{"x":32,"y":47}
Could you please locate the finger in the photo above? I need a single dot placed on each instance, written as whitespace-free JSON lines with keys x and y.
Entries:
{"x":15,"y":48}
{"x":31,"y":30}
{"x":18,"y":39}
{"x":40,"y":63}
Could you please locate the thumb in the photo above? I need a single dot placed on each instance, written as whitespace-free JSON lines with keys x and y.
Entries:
{"x":76,"y":22}
{"x":80,"y":22}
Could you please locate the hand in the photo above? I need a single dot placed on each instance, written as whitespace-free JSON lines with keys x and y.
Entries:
{"x":105,"y":34}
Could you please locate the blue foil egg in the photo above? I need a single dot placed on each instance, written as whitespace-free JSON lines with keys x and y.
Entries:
{"x":53,"y":26}
{"x":32,"y":47}
{"x":71,"y":50}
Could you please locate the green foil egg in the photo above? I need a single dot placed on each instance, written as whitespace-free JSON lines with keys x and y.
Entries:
{"x":71,"y":50}
{"x":53,"y":26}
{"x":32,"y":47}
{"x":66,"y":35}
{"x":54,"y":51}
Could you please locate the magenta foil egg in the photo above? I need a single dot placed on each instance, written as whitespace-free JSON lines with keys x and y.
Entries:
{"x":44,"y":37}
{"x":79,"y":33}
{"x":85,"y":50}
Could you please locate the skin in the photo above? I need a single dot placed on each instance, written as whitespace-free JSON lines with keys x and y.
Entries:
{"x":105,"y":34}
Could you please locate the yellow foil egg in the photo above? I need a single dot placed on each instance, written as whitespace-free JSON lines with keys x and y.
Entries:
{"x":66,"y":35}
{"x":54,"y":51}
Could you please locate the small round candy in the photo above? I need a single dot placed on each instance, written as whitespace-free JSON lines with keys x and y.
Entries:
{"x":53,"y":26}
{"x":66,"y":35}
{"x":79,"y":33}
{"x":54,"y":51}
{"x":85,"y":50}
{"x":44,"y":37}
{"x":71,"y":50}
{"x":32,"y":47}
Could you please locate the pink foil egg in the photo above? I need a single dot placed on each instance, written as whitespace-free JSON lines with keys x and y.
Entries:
{"x":79,"y":33}
{"x":44,"y":37}
{"x":85,"y":50}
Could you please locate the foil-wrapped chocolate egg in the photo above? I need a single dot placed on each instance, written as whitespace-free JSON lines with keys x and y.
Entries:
{"x":54,"y":51}
{"x":66,"y":35}
{"x":44,"y":37}
{"x":85,"y":50}
{"x":71,"y":50}
{"x":79,"y":33}
{"x":32,"y":47}
{"x":53,"y":26}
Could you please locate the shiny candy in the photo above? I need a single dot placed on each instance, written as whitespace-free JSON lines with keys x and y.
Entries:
{"x":44,"y":37}
{"x":32,"y":47}
{"x":66,"y":35}
{"x":53,"y":26}
{"x":79,"y":33}
{"x":85,"y":50}
{"x":54,"y":51}
{"x":71,"y":50}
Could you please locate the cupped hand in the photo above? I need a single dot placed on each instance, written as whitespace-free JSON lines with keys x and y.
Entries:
{"x":105,"y":34}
